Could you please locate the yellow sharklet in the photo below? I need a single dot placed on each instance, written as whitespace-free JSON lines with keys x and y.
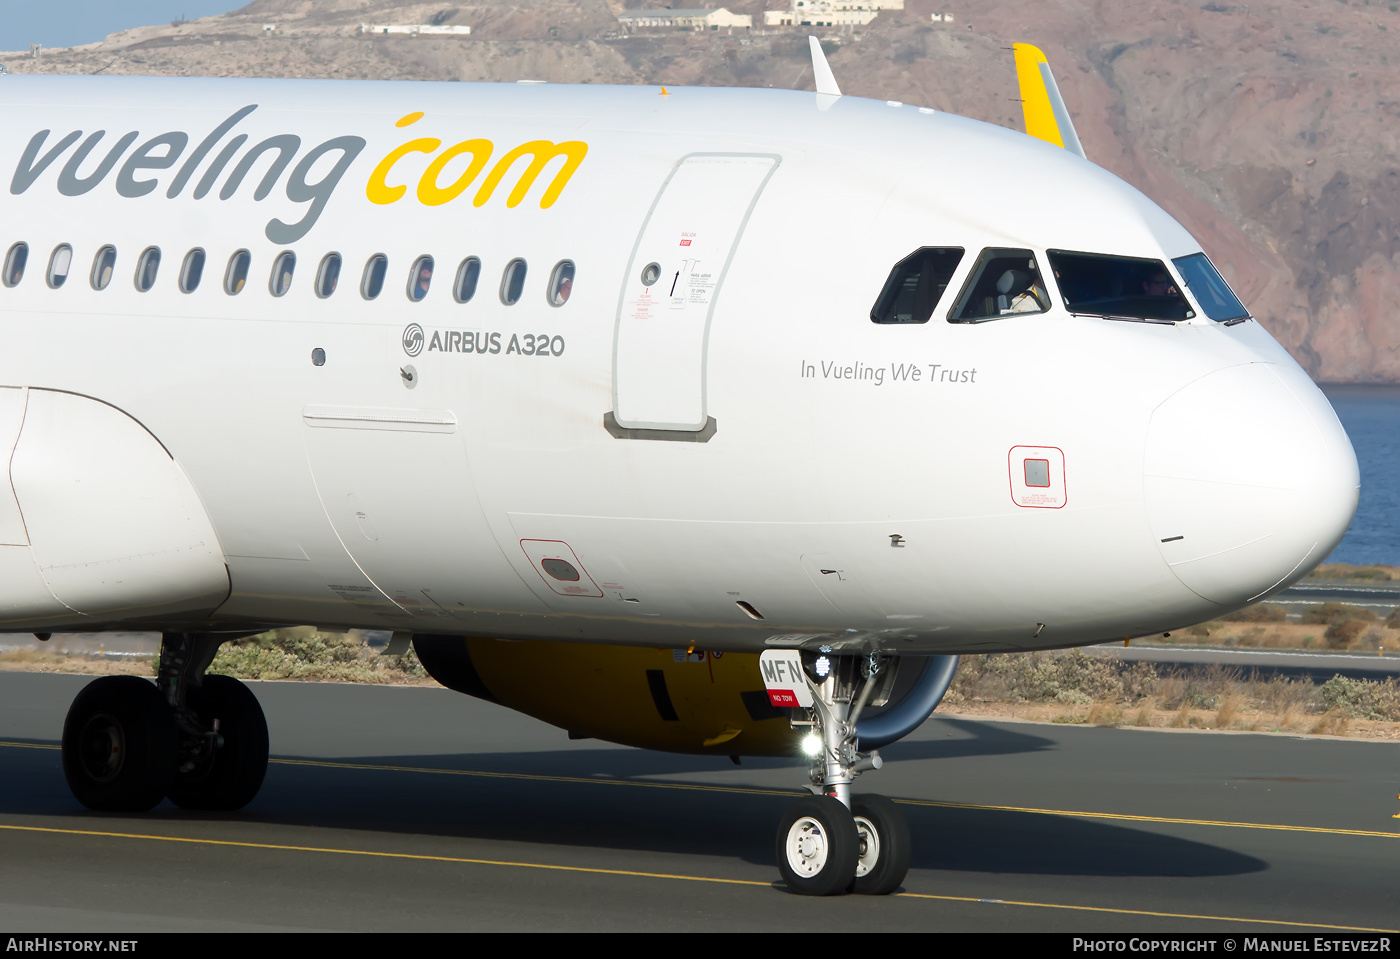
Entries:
{"x":1044,"y":110}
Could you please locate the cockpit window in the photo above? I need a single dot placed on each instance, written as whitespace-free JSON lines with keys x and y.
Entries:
{"x":1210,"y":289}
{"x":1004,"y":283}
{"x":1121,"y":287}
{"x":915,"y":285}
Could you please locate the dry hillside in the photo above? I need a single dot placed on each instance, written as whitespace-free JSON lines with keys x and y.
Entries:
{"x":1270,"y":128}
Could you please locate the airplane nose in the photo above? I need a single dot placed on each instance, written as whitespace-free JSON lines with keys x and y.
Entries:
{"x":1249,"y":479}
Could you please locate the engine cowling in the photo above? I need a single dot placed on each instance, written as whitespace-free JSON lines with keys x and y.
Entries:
{"x":673,"y":700}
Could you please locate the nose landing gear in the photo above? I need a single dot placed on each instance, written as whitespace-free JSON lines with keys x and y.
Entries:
{"x":832,"y":842}
{"x":200,"y":740}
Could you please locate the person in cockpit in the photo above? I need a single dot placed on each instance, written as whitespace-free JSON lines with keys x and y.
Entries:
{"x":1020,"y":292}
{"x":1159,"y":284}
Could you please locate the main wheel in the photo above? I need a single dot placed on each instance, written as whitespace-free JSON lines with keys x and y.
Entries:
{"x":817,"y":846}
{"x":883,"y":861}
{"x":230,"y":776}
{"x":119,"y":745}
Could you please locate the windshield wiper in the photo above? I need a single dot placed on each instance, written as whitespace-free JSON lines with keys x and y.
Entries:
{"x":1121,"y":318}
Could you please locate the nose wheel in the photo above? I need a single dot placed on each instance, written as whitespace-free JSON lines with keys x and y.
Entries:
{"x":884,"y":845}
{"x":818,"y":847}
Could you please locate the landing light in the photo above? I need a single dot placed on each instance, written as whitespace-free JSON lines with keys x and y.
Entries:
{"x":812,"y":744}
{"x":823,"y":666}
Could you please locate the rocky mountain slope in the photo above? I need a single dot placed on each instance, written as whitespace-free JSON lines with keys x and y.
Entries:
{"x":1270,"y":128}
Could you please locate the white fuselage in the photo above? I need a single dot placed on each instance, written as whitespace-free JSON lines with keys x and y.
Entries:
{"x":835,"y":493}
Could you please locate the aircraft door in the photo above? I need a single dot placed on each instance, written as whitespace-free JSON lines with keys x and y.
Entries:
{"x":673,"y":280}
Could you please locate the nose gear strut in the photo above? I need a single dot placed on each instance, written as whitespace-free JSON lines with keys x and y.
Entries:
{"x":815,"y":852}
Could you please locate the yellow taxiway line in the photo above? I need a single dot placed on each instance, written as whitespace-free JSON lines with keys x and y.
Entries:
{"x":463,"y":860}
{"x":754,"y":791}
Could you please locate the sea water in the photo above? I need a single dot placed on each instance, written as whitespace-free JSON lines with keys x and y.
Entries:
{"x":1371,"y":416}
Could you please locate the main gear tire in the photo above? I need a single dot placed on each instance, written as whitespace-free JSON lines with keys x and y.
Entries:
{"x":817,"y":846}
{"x":232,"y":773}
{"x":884,"y":846}
{"x":119,"y":745}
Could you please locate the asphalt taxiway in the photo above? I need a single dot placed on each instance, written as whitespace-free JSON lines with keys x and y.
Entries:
{"x":391,"y":808}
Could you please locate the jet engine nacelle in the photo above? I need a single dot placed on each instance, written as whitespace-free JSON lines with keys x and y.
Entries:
{"x":676,"y":700}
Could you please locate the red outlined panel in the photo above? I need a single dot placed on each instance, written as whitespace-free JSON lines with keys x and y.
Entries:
{"x":1037,"y":477}
{"x":554,"y":560}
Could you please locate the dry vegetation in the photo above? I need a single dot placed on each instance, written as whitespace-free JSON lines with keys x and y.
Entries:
{"x":307,"y":653}
{"x":1076,"y":688}
{"x":1347,"y":573}
{"x":1334,"y":627}
{"x":300,"y":653}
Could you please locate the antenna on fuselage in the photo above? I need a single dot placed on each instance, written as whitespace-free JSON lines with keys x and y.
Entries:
{"x":821,"y":70}
{"x":1044,"y":109}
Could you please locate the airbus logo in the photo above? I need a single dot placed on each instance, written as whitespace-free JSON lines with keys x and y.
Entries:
{"x":413,"y":339}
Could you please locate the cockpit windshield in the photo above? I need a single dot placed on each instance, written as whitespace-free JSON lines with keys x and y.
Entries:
{"x":1129,"y":287}
{"x":1004,"y":283}
{"x":1210,"y":288}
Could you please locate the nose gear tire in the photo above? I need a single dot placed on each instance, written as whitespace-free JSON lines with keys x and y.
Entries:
{"x":229,"y":776}
{"x":119,"y":745}
{"x":883,"y":845}
{"x":817,"y":846}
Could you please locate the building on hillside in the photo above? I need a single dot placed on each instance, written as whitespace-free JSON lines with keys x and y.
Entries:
{"x":414,"y":29}
{"x":702,"y":18}
{"x":829,"y":13}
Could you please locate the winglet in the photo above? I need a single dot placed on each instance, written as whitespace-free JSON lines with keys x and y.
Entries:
{"x":1044,"y":109}
{"x":826,"y":80}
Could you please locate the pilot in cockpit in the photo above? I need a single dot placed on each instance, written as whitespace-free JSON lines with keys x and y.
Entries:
{"x":1020,"y":292}
{"x":1160,"y":285}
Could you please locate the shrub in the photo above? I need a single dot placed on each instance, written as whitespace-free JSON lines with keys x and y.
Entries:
{"x":1342,"y":634}
{"x":1360,"y":699}
{"x":304,"y":652}
{"x":1333,"y":613}
{"x":1393,"y":620}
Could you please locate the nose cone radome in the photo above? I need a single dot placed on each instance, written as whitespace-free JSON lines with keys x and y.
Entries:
{"x":1250,"y":480}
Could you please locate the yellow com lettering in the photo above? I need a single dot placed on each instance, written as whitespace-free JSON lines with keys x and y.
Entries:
{"x":432,"y":192}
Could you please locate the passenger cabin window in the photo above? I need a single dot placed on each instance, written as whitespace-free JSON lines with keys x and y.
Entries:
{"x":14,"y":263}
{"x":373,"y":281}
{"x":915,"y":285}
{"x":467,"y":274}
{"x":561,"y":283}
{"x":1004,"y":283}
{"x":420,"y":278}
{"x":1118,"y":287}
{"x":102,"y":266}
{"x":146,"y":268}
{"x":59,"y":264}
{"x":192,"y":270}
{"x":1210,"y":289}
{"x":328,"y":275}
{"x":236,"y":276}
{"x":513,"y":282}
{"x":282,"y":269}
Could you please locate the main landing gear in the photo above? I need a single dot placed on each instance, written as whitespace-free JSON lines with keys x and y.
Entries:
{"x":199,"y":740}
{"x":832,"y":842}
